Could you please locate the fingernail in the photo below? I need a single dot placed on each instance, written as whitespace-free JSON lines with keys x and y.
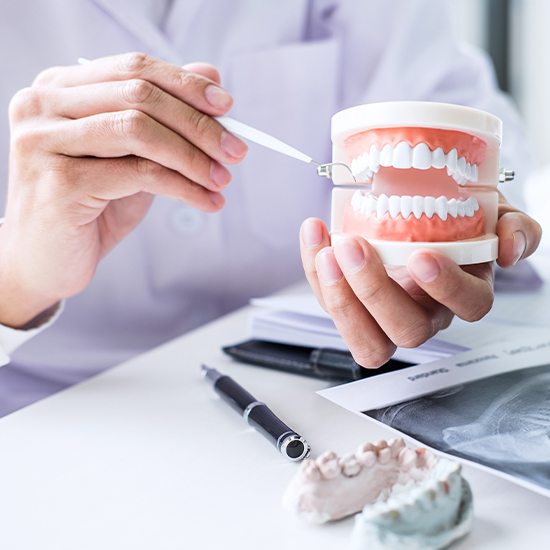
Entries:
{"x":424,"y":268}
{"x":312,"y":233}
{"x":217,"y":200}
{"x":233,"y":146}
{"x":350,"y":255}
{"x":219,"y":174}
{"x":217,"y":97}
{"x":520,"y":244}
{"x":327,"y":267}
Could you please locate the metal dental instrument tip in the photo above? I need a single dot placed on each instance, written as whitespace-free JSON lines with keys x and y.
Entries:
{"x":326,"y":170}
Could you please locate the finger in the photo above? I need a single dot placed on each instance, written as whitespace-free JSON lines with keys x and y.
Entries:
{"x":314,"y":236}
{"x":104,"y":180}
{"x":368,"y":344}
{"x":404,"y":320}
{"x":204,"y":69}
{"x":192,"y":88}
{"x":135,"y":133}
{"x":467,"y":291}
{"x":198,"y":128}
{"x":519,"y":236}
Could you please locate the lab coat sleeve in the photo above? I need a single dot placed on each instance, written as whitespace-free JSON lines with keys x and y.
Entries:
{"x":11,"y":338}
{"x":403,"y":50}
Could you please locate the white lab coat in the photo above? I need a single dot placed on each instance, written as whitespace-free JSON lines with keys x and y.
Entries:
{"x":290,"y":64}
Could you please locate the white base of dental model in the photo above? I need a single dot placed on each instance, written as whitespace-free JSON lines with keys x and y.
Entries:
{"x":409,"y":498}
{"x":396,"y":253}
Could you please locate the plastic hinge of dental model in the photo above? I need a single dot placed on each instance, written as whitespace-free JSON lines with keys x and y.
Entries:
{"x":505,"y":175}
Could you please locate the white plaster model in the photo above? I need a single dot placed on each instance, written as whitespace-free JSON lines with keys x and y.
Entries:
{"x":405,"y":495}
{"x":424,"y":514}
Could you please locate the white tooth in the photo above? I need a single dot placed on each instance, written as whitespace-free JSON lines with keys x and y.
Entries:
{"x":396,"y":444}
{"x":374,"y":158}
{"x":451,"y":161}
{"x":364,"y":205}
{"x":438,"y":158}
{"x":460,"y":209}
{"x":356,"y":165}
{"x":350,"y":465}
{"x":461,"y":180}
{"x":384,"y":456}
{"x":441,"y":207}
{"x":366,"y":458}
{"x":402,"y":155}
{"x":395,"y":205}
{"x":475,"y":203}
{"x":469,"y":207}
{"x":461,"y":166}
{"x":357,"y":201}
{"x":421,"y":157}
{"x":452,"y":207}
{"x":382,"y":205}
{"x":468,"y":171}
{"x":386,"y":155}
{"x":370,"y":205}
{"x":418,"y":206}
{"x":406,"y":206}
{"x":474,"y":172}
{"x":429,"y":206}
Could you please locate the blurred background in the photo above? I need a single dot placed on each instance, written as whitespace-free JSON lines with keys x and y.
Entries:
{"x":516,"y":35}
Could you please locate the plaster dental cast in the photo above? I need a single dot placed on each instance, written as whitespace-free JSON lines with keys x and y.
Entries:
{"x":88,"y":147}
{"x":402,"y":497}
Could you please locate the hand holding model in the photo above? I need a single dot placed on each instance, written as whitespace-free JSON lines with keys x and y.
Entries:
{"x":414,"y":234}
{"x":90,"y":146}
{"x":377,"y":309}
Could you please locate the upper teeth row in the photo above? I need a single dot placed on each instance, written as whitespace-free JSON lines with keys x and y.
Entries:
{"x":420,"y":156}
{"x":406,"y":205}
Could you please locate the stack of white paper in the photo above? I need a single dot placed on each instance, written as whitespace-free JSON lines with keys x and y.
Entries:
{"x":299,"y":320}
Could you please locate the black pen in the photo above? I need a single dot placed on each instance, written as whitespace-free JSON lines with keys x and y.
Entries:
{"x":290,"y":444}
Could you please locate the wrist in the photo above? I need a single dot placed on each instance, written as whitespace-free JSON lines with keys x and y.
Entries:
{"x":21,"y":307}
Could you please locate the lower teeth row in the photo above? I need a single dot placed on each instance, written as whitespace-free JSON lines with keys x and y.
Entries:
{"x":417,"y":205}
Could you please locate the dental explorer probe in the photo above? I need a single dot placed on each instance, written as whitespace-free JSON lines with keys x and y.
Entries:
{"x":266,"y":140}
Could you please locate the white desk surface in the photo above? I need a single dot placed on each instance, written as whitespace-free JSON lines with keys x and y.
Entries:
{"x":145,"y":456}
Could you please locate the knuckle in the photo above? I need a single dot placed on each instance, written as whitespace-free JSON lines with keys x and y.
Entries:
{"x":196,"y":159}
{"x":146,"y":169}
{"x":135,"y":62}
{"x":187,"y":79}
{"x":414,"y":336}
{"x":46,"y":77}
{"x":131,"y":123}
{"x":339,"y":305}
{"x":28,"y":140}
{"x":138,"y":91}
{"x":200,"y":122}
{"x":25,"y":103}
{"x":371,"y":294}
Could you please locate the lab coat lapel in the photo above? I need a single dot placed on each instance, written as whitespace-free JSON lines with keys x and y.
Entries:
{"x":151,"y":36}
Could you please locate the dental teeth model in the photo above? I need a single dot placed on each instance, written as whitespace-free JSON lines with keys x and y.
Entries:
{"x":406,"y":498}
{"x":428,"y":174}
